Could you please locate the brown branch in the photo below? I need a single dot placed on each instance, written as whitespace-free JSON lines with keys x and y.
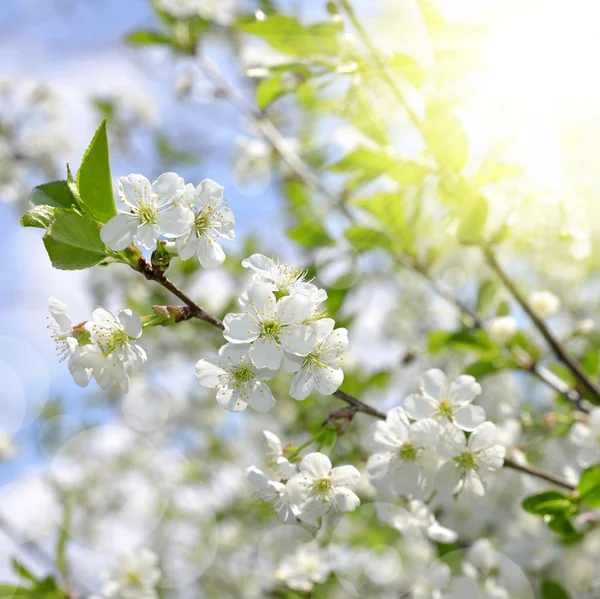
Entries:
{"x":357,"y":404}
{"x":559,"y":351}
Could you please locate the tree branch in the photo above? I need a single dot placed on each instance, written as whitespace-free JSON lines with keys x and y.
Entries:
{"x":559,"y":351}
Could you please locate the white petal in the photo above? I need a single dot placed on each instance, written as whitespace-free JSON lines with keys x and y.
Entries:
{"x":295,"y":308}
{"x":240,"y":328}
{"x":469,"y":417}
{"x":292,"y":363}
{"x":273,"y":443}
{"x":119,"y":232}
{"x":167,"y":187}
{"x":258,"y":263}
{"x":175,"y":220}
{"x":440,"y":534}
{"x":146,"y":236}
{"x":483,"y":436}
{"x":210,"y":193}
{"x":378,"y":465}
{"x":448,"y":479}
{"x":132,"y":323}
{"x":345,"y":500}
{"x":345,"y":476}
{"x":297,"y":487}
{"x":473,"y":485}
{"x":464,"y":390}
{"x":132,"y":188}
{"x":425,"y":433}
{"x":452,"y":441}
{"x":323,"y":328}
{"x":208,"y":371}
{"x":210,"y":253}
{"x":491,"y":458}
{"x":187,"y":245}
{"x":315,"y":465}
{"x":405,"y":477}
{"x":435,"y":384}
{"x":581,"y":435}
{"x":261,"y":399}
{"x":231,"y":400}
{"x":60,"y":313}
{"x":100,"y":315}
{"x":266,"y":353}
{"x":328,"y":380}
{"x":302,"y":385}
{"x":418,"y":406}
{"x":594,"y":420}
{"x":80,"y":375}
{"x":262,"y":301}
{"x":257,"y":477}
{"x":298,"y":339}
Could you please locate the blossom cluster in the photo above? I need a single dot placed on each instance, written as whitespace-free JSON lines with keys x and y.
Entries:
{"x":104,"y":347}
{"x":194,"y":217}
{"x":306,"y":491}
{"x":423,"y":446}
{"x":219,"y":11}
{"x":135,"y":577}
{"x":281,"y":326}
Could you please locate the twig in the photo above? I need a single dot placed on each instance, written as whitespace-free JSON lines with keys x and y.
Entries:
{"x":557,"y":348}
{"x":356,"y":403}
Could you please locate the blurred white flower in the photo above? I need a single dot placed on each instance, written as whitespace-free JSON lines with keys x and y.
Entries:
{"x":502,"y":329}
{"x":544,"y":303}
{"x":273,"y":492}
{"x":586,"y":438}
{"x":8,"y":449}
{"x":304,"y":568}
{"x":135,"y":577}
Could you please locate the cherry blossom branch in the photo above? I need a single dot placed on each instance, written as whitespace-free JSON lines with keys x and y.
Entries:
{"x":559,"y":351}
{"x":197,"y":312}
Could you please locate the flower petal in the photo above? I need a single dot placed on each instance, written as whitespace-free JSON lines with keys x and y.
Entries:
{"x":328,"y":380}
{"x":483,"y":436}
{"x":345,"y":476}
{"x":60,"y":313}
{"x":175,"y":220}
{"x":261,"y":399}
{"x":464,"y":390}
{"x":419,"y":406}
{"x":315,"y":465}
{"x":345,"y":500}
{"x":146,"y":236}
{"x":302,"y":385}
{"x":425,"y":433}
{"x":295,"y":308}
{"x":167,"y":187}
{"x":240,"y":328}
{"x":132,"y":323}
{"x":208,"y":371}
{"x":298,"y":339}
{"x":469,"y":417}
{"x":119,"y":232}
{"x":266,"y":353}
{"x":210,"y":253}
{"x":133,"y":188}
{"x":187,"y":245}
{"x":435,"y":384}
{"x":448,"y":479}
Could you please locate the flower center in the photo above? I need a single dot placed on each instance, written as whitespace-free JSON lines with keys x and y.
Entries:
{"x":115,"y":340}
{"x":201,"y":222}
{"x":445,"y":409}
{"x":271,"y":329}
{"x":147,"y":213}
{"x":466,"y":460}
{"x":282,"y":291}
{"x":408,"y":452}
{"x":322,"y":486}
{"x":133,"y":578}
{"x":242,"y":374}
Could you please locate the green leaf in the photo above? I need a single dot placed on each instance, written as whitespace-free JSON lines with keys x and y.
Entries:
{"x":73,"y":242}
{"x":482,"y":368}
{"x":287,"y":35}
{"x":553,"y":590}
{"x":364,"y":239}
{"x":503,"y":308}
{"x":55,"y":193}
{"x":94,"y":181}
{"x":591,"y":362}
{"x":268,"y":90}
{"x":549,"y":502}
{"x":41,"y":216}
{"x":143,"y":37}
{"x":310,"y":234}
{"x":486,"y":296}
{"x":589,"y":486}
{"x":492,"y":172}
{"x":463,"y":340}
{"x":22,"y":571}
{"x":472,"y":223}
{"x":408,"y":67}
{"x":445,"y":137}
{"x":561,"y":524}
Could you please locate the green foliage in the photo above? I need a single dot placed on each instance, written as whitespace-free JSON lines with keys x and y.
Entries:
{"x":469,"y":340}
{"x":488,"y":290}
{"x":73,"y":242}
{"x":287,"y":35}
{"x":547,"y":503}
{"x":56,"y":194}
{"x":473,"y":221}
{"x":445,"y":137}
{"x":365,"y":239}
{"x":41,"y":216}
{"x":94,"y":182}
{"x":407,"y":67}
{"x":553,"y":590}
{"x":143,"y":37}
{"x":32,"y":586}
{"x":589,"y":486}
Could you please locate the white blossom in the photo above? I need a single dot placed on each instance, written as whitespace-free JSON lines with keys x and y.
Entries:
{"x":319,"y":369}
{"x":149,"y":210}
{"x":282,"y":278}
{"x":211,"y":220}
{"x":544,"y":303}
{"x":274,"y":492}
{"x":304,"y":568}
{"x":237,"y":380}
{"x":318,"y":487}
{"x":586,"y":437}
{"x":61,"y":325}
{"x":118,"y":354}
{"x":405,"y":457}
{"x":8,"y":449}
{"x":219,"y":11}
{"x":469,"y":460}
{"x":275,"y":456}
{"x":502,"y":329}
{"x":135,"y":577}
{"x":273,"y":327}
{"x":445,"y":401}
